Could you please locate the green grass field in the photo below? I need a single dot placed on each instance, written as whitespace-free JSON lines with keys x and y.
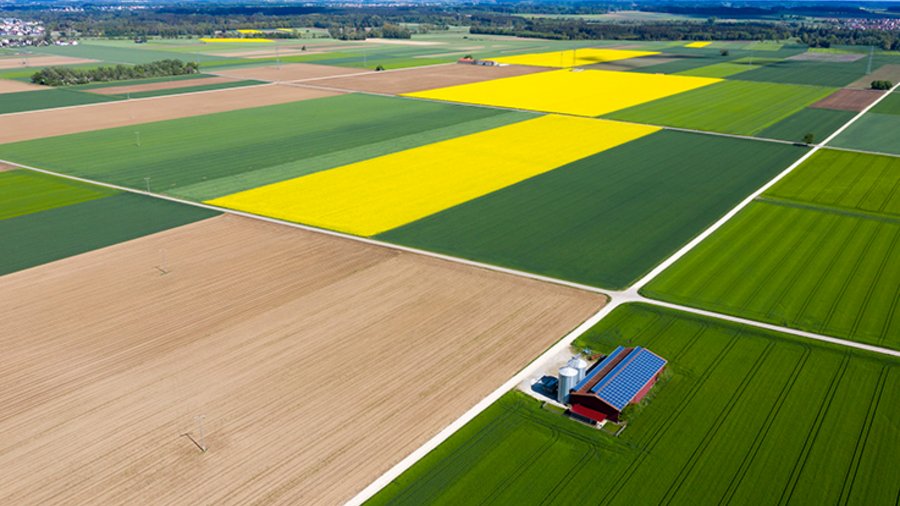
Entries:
{"x":108,"y":54}
{"x":54,"y":234}
{"x":720,"y":70}
{"x":191,"y":89}
{"x":819,"y":122}
{"x":735,"y":107}
{"x":24,"y":192}
{"x":817,"y":252}
{"x":209,"y":156}
{"x":873,"y":132}
{"x":853,"y":181}
{"x":890,"y":104}
{"x":607,"y":219}
{"x":47,"y":99}
{"x":815,"y":72}
{"x":745,"y":417}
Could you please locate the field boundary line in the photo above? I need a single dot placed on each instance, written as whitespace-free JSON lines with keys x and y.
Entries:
{"x":131,"y":100}
{"x":863,"y":151}
{"x":684,"y":250}
{"x":333,"y":233}
{"x":328,"y":77}
{"x":769,"y":326}
{"x":407,"y":462}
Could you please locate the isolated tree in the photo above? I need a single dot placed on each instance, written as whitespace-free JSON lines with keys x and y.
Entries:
{"x":724,"y":52}
{"x":809,"y":138}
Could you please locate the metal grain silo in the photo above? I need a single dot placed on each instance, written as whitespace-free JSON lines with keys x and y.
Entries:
{"x":580,"y":365}
{"x":568,"y":378}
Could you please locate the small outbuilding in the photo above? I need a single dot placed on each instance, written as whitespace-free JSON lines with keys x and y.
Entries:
{"x":623,"y":377}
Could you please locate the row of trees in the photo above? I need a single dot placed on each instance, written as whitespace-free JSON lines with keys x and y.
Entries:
{"x":387,"y":31}
{"x":65,"y":76}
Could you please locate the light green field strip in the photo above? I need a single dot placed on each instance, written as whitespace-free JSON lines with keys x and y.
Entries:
{"x":735,"y":107}
{"x":855,"y":181}
{"x":24,"y":192}
{"x":873,"y":132}
{"x":720,"y":70}
{"x":245,"y":181}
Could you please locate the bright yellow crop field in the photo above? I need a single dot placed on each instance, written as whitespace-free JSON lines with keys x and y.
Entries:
{"x":248,"y":31}
{"x":233,"y":40}
{"x":698,"y":44}
{"x":373,"y":196}
{"x":580,"y":92}
{"x":572,"y":57}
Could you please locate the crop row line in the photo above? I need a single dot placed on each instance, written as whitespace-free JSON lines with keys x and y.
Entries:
{"x":813,"y":433}
{"x":720,"y":419}
{"x":763,"y":433}
{"x":861,"y":441}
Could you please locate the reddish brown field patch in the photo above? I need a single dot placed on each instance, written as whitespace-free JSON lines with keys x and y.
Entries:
{"x":51,"y":122}
{"x":424,"y":78}
{"x":316,"y":362}
{"x":848,"y":100}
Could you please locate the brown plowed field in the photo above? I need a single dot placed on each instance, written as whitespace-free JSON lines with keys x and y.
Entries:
{"x":848,"y":100}
{"x":426,"y":78}
{"x":50,"y":122}
{"x":316,"y":362}
{"x":883,"y":73}
{"x":39,"y":61}
{"x":10,"y":86}
{"x":168,"y":85}
{"x":288,"y":72}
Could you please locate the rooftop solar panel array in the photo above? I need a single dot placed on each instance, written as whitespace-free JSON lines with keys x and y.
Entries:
{"x":628,"y":377}
{"x":599,"y":367}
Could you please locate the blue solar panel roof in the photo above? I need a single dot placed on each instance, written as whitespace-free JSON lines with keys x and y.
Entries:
{"x":599,"y":367}
{"x":628,"y":377}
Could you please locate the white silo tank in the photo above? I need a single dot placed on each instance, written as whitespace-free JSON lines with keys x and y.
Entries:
{"x":568,"y":378}
{"x":580,"y":365}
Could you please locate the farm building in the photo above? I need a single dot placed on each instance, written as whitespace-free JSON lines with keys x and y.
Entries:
{"x":624,"y":377}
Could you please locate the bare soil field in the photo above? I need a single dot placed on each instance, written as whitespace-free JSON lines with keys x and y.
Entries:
{"x":288,"y":72}
{"x":827,"y":57}
{"x":10,"y":86}
{"x":50,"y":122}
{"x":424,"y":78}
{"x":316,"y":362}
{"x":848,"y":100}
{"x":5,"y":167}
{"x":885,"y":72}
{"x":40,"y":61}
{"x":137,"y":88}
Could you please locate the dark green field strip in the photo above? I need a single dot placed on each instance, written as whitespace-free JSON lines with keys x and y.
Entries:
{"x":742,"y":416}
{"x":816,"y":72}
{"x":848,"y":180}
{"x":47,"y":99}
{"x":872,"y":132}
{"x":217,"y":154}
{"x":55,"y":234}
{"x":610,"y":218}
{"x":129,"y":82}
{"x":191,"y":89}
{"x":889,"y":105}
{"x":830,"y":273}
{"x":819,"y":122}
{"x":24,"y":192}
{"x":735,"y":107}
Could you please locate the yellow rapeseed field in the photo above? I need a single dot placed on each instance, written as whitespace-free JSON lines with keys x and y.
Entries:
{"x":376,"y":195}
{"x":698,"y":44}
{"x":572,"y":57}
{"x":580,"y":92}
{"x":233,"y":40}
{"x":247,"y":31}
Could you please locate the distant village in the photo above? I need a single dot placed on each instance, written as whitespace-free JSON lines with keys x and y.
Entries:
{"x":16,"y":32}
